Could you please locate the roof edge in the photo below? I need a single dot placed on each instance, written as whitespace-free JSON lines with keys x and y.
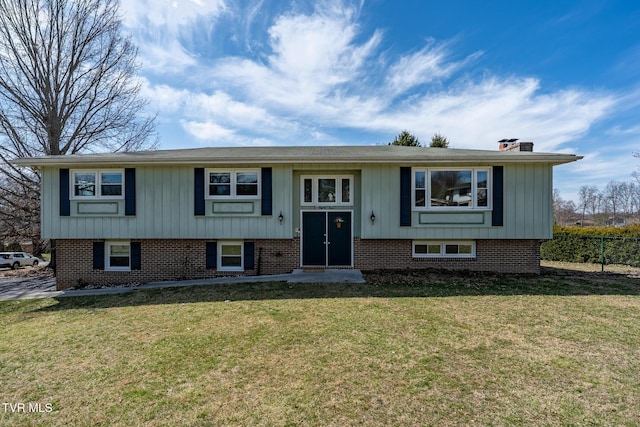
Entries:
{"x":299,"y":155}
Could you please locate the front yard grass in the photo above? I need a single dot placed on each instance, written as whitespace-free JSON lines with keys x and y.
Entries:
{"x":420,"y":349}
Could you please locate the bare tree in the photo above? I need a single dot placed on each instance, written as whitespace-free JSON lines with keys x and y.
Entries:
{"x":626,"y":196}
{"x":589,"y":196}
{"x":67,"y":85}
{"x":635,"y":200}
{"x":563,"y":210}
{"x":613,"y":198}
{"x":19,"y":214}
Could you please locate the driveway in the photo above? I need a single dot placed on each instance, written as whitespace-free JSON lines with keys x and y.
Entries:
{"x":25,"y":281}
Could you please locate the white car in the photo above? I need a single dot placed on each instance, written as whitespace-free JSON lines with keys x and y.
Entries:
{"x":15,"y":260}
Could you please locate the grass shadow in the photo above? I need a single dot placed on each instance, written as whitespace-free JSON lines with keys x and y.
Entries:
{"x":424,"y":284}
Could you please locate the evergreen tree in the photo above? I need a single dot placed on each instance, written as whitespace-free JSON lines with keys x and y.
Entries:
{"x":406,"y":139}
{"x":439,"y":141}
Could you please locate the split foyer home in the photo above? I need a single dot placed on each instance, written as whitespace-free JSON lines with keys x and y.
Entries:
{"x":207,"y":212}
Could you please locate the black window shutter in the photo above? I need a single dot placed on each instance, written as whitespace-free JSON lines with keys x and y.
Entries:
{"x":405,"y":197}
{"x":211,"y":255}
{"x":130,"y":191}
{"x":248,"y":255}
{"x":98,"y":255}
{"x":497,"y":217}
{"x":267,"y":192}
{"x":136,"y":256}
{"x":65,"y":203}
{"x":198,"y":186}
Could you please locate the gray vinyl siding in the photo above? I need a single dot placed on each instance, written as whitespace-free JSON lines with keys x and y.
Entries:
{"x":527,"y":208}
{"x":165,"y":207}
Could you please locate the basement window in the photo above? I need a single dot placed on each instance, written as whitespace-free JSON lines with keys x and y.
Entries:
{"x":118,"y":256}
{"x":444,"y":249}
{"x":230,"y":256}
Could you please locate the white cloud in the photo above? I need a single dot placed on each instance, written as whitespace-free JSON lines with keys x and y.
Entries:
{"x":158,"y":28}
{"x":207,"y":130}
{"x":316,"y":72}
{"x":598,"y":168}
{"x":624,"y":131}
{"x":171,"y":15}
{"x":427,"y":65}
{"x":312,"y":56}
{"x":164,"y":98}
{"x":216,"y":115}
{"x":317,"y":76}
{"x":476,"y":115}
{"x":222,"y":108}
{"x":308,"y":47}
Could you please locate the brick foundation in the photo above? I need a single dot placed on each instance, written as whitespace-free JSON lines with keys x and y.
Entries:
{"x":500,"y":256}
{"x":167,"y":260}
{"x":185,"y":259}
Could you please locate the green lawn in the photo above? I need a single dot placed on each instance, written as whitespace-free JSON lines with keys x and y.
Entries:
{"x":402,"y":350}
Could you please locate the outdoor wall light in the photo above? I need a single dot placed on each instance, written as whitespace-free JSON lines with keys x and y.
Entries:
{"x":281,"y":217}
{"x":372,"y":217}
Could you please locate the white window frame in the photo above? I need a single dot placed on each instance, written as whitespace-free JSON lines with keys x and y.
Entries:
{"x":315,"y":190}
{"x":219,"y":254}
{"x":98,"y":192}
{"x":443,"y":244}
{"x":107,"y":255}
{"x":234,"y":184}
{"x":474,"y":188}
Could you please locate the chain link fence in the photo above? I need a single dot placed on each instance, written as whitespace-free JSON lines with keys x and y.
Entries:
{"x":603,"y":250}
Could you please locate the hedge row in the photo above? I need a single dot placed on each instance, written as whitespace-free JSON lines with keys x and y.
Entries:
{"x":583,"y":244}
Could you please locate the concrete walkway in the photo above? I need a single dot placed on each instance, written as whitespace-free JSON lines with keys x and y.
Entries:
{"x":298,"y":276}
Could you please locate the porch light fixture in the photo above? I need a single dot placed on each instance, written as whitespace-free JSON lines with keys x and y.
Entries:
{"x":372,"y":217}
{"x":280,"y":217}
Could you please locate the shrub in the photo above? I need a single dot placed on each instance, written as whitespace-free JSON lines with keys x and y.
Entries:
{"x":585,"y":244}
{"x":14,"y":247}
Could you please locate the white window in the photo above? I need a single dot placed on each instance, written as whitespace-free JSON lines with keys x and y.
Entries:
{"x":117,"y":256}
{"x":91,"y":184}
{"x":230,"y":256}
{"x":232,"y":183}
{"x":444,"y":249}
{"x":450,"y":188}
{"x":327,"y":190}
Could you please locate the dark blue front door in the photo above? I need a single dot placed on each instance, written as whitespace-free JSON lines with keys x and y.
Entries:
{"x":314,"y":238}
{"x":326,"y":238}
{"x":339,"y":243}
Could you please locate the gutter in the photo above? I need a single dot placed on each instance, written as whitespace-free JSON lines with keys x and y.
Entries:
{"x":91,"y":160}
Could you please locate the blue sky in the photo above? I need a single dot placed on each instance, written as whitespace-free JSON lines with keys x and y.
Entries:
{"x":563,"y":74}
